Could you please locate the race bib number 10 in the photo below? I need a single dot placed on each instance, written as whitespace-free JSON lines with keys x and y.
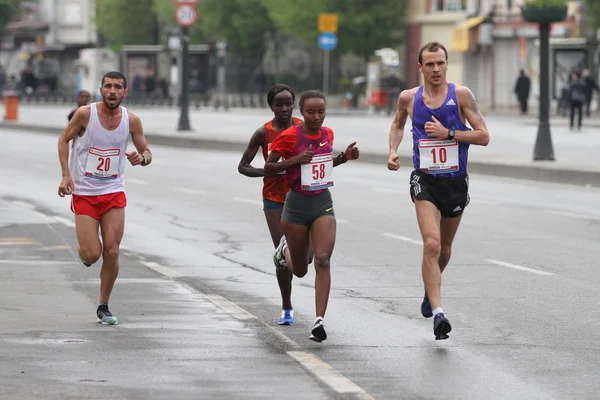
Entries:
{"x":437,"y":155}
{"x":102,"y":164}
{"x":317,"y":174}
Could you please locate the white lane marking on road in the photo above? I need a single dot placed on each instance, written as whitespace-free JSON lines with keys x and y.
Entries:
{"x":328,"y":375}
{"x":64,"y":221}
{"x":572,"y":215}
{"x":232,"y":308}
{"x":161,"y":269}
{"x":249,"y":201}
{"x":22,"y":203}
{"x":136,"y":181}
{"x":519,"y":267}
{"x":403,"y":238}
{"x":189,"y":191}
{"x":19,"y":241}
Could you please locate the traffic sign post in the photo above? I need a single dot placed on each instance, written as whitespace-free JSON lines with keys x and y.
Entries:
{"x":327,"y":42}
{"x":186,"y":15}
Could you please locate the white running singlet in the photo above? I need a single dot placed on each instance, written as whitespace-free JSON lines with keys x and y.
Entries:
{"x":98,"y":158}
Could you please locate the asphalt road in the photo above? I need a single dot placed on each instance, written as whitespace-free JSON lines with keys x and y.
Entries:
{"x":198,"y":302}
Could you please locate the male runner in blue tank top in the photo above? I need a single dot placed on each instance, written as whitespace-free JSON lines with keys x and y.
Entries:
{"x":439,"y":185}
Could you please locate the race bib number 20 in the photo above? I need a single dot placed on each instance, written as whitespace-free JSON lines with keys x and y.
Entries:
{"x":102,"y":164}
{"x":318,"y":173}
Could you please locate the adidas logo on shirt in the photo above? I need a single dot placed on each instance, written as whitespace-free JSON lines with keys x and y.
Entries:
{"x":451,"y":103}
{"x":457,"y":209}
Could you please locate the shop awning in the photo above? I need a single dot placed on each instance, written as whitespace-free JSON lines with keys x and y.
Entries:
{"x":460,"y":36}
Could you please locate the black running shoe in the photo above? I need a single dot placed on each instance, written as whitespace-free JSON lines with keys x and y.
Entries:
{"x":426,"y":307}
{"x":105,"y":316}
{"x":318,"y":333}
{"x":441,"y":326}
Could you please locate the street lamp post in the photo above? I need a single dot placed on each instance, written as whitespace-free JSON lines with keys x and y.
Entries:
{"x":184,"y":118}
{"x":543,"y":144}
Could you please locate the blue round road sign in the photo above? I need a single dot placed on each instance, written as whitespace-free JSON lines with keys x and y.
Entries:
{"x":327,"y":41}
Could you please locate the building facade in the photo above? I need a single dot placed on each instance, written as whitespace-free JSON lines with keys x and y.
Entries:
{"x":488,"y":43}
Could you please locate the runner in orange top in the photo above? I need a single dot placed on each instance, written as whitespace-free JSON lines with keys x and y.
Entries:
{"x":281,"y":100}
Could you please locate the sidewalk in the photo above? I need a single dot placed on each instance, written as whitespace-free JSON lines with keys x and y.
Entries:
{"x":509,"y":154}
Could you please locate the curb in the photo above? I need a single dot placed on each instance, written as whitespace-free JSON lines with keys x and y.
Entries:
{"x":525,"y":172}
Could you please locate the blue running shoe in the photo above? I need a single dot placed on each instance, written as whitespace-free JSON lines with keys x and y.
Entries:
{"x":287,"y":317}
{"x":426,"y":307}
{"x":105,"y":316}
{"x":441,"y":326}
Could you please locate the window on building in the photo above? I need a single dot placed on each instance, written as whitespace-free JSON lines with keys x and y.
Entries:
{"x":448,"y":5}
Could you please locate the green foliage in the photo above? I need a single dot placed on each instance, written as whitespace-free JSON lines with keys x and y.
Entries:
{"x":8,"y":8}
{"x":363,"y":25}
{"x":593,"y":12}
{"x":244,"y":24}
{"x":546,"y":3}
{"x":127,"y":22}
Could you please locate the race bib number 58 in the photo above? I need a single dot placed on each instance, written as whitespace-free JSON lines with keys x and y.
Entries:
{"x":437,"y":155}
{"x":317,"y":174}
{"x":102,"y":164}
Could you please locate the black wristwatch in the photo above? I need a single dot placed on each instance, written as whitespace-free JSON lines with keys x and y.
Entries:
{"x":451,"y":134}
{"x":143,"y":160}
{"x":341,"y":158}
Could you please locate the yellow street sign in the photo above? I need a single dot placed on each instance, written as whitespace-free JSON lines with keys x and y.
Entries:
{"x":328,"y":23}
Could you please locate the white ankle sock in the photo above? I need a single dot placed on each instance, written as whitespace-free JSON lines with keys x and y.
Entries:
{"x":437,"y":311}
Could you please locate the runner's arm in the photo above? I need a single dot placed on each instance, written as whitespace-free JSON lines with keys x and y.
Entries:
{"x":479,"y":135}
{"x":273,"y":166}
{"x":397,"y":129}
{"x":138,"y":139}
{"x":73,"y":128}
{"x":256,"y":141}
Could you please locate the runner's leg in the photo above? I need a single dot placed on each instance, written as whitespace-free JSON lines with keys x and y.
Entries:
{"x":90,"y":247}
{"x":284,"y":276}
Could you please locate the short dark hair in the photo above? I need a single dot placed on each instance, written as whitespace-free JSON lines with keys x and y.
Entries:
{"x":114,"y":75}
{"x":431,"y":47}
{"x":278,"y":88}
{"x":84,"y":92}
{"x":310,"y":94}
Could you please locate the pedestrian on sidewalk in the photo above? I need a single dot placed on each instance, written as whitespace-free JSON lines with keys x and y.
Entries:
{"x":522,"y":88}
{"x":590,"y":88}
{"x":577,"y":99}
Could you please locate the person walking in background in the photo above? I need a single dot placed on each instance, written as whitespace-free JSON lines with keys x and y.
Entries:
{"x":590,"y":87}
{"x":83,"y":99}
{"x":577,"y":99}
{"x":522,"y":88}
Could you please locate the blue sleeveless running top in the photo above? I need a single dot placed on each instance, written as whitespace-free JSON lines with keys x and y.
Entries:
{"x":449,"y":116}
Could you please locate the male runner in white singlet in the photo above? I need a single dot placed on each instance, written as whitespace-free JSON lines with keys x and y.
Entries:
{"x":95,"y":178}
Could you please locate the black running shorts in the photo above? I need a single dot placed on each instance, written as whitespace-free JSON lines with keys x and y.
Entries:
{"x":299,"y":209}
{"x":450,"y":195}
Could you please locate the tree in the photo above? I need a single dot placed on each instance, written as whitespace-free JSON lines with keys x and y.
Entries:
{"x":127,"y":22}
{"x":244,"y":24}
{"x":363,"y":25}
{"x":592,"y":10}
{"x":8,"y":8}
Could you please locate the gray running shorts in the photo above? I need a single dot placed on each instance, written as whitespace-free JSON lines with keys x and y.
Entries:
{"x":304,"y":210}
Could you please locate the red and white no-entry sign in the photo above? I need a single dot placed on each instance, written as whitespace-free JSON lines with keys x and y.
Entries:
{"x":186,"y":14}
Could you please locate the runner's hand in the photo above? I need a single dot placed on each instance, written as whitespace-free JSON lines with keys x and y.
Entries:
{"x":306,"y":156}
{"x":351,"y":152}
{"x":393,"y":163}
{"x":134,"y":157}
{"x":435,"y":129}
{"x":66,"y":186}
